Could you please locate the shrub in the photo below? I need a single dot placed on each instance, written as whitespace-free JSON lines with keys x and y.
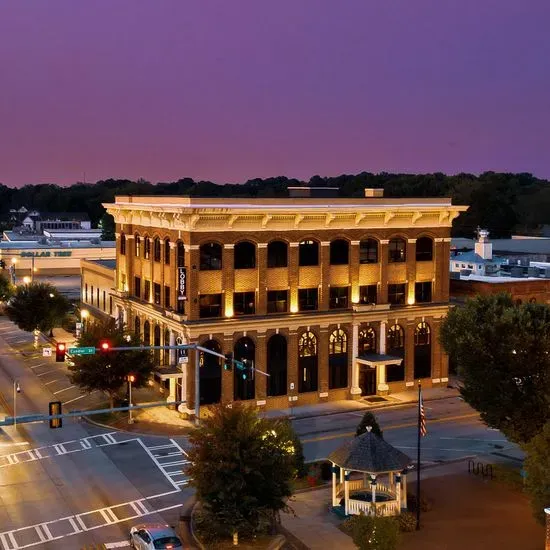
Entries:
{"x":407,"y":522}
{"x":373,"y":532}
{"x":426,"y":504}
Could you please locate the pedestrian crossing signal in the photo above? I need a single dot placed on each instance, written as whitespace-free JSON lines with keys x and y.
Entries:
{"x":55,"y":408}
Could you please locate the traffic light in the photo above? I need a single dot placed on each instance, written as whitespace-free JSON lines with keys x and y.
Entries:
{"x":60,"y":350}
{"x":228,"y":362}
{"x":55,"y":408}
{"x":104,"y":346}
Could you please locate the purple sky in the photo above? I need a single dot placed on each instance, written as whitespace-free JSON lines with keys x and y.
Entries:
{"x":228,"y":90}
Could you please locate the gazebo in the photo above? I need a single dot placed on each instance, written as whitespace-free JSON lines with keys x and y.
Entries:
{"x":381,"y":489}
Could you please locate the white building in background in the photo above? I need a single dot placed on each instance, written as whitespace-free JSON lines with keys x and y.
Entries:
{"x":479,"y":261}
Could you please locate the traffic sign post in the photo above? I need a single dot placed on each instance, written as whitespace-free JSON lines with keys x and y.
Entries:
{"x":81,"y":351}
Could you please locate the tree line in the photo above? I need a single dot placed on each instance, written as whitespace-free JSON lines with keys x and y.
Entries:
{"x":502,"y":202}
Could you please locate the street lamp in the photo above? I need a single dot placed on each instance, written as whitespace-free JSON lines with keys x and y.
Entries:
{"x":16,"y":390}
{"x":131,"y":378}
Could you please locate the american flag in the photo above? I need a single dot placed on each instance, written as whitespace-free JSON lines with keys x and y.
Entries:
{"x":423,"y":429}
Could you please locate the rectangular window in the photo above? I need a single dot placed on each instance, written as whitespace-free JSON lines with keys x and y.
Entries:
{"x":277,"y":301}
{"x":97,"y":297}
{"x":166,"y":297}
{"x":423,"y":292}
{"x":368,"y":294}
{"x":338,"y":297}
{"x":210,"y":305}
{"x":308,"y":299}
{"x":147,"y":291}
{"x":156,"y":294}
{"x":104,"y":296}
{"x":396,"y":294}
{"x":156,"y":249}
{"x":110,"y":305}
{"x":147,"y":248}
{"x":92,"y":295}
{"x":137,"y":287}
{"x":368,"y":252}
{"x":244,"y":303}
{"x":86,"y":292}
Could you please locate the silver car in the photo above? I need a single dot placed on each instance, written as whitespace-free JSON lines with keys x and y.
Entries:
{"x":154,"y":536}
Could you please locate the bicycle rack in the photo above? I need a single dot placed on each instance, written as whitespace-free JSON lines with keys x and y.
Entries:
{"x":478,"y":468}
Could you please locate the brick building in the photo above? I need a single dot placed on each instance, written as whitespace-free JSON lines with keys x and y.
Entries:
{"x":333,"y":298}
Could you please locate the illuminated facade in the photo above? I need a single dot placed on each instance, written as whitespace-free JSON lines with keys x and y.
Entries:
{"x":333,"y":298}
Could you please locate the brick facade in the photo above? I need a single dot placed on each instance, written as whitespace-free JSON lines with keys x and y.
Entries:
{"x":198,"y":222}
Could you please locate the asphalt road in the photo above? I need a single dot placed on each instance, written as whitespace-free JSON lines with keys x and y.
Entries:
{"x":80,"y":485}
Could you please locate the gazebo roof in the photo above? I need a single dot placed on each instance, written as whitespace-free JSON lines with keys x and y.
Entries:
{"x":369,"y":453}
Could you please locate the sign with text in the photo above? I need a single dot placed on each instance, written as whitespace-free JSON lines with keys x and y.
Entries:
{"x":47,"y":352}
{"x":81,"y":351}
{"x":182,"y":283}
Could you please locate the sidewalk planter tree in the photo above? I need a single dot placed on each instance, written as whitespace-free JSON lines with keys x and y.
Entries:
{"x":108,"y":372}
{"x":537,"y":468}
{"x":37,"y":306}
{"x":242,"y":467}
{"x":502,"y":352}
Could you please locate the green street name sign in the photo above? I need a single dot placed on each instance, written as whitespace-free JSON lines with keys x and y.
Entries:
{"x":81,"y":351}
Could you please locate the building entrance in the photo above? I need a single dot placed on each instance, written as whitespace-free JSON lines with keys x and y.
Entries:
{"x":367,"y":380}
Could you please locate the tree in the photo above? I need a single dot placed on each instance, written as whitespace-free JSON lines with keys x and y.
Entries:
{"x":369,"y":420}
{"x":108,"y":371}
{"x":37,"y":306}
{"x":502,"y":353}
{"x":107,"y":226}
{"x":537,"y":468}
{"x":242,"y":467}
{"x":6,"y":288}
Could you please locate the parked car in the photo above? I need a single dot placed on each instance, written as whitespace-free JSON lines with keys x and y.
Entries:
{"x":154,"y":536}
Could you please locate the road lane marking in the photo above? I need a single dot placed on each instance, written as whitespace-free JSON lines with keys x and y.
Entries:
{"x":120,"y":544}
{"x":162,"y":467}
{"x":53,"y":381}
{"x":80,"y":397}
{"x":394,"y":427}
{"x":64,"y":389}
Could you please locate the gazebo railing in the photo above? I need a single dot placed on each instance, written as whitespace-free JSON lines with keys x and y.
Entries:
{"x":386,"y":508}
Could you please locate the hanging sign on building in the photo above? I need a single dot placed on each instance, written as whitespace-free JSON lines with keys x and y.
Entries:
{"x":182,"y":283}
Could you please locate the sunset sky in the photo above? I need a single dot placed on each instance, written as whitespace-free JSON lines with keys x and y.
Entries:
{"x":228,"y":90}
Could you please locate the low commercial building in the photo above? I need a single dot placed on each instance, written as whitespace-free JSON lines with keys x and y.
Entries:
{"x":326,"y":298}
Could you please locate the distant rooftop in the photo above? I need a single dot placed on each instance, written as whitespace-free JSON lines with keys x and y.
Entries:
{"x":472,"y":257}
{"x":109,"y":264}
{"x":509,"y":246}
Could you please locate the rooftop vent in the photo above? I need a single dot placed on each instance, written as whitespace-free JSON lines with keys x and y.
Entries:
{"x":371,"y":192}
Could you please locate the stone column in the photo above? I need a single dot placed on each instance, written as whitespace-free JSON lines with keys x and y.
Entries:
{"x":398,"y":491}
{"x":190,"y":382}
{"x":260,"y":380}
{"x":411,"y":271}
{"x":383,"y":257}
{"x":381,"y":385}
{"x":261,"y":304}
{"x":354,"y":271}
{"x":382,"y":338}
{"x":355,"y":389}
{"x":227,"y":375}
{"x":373,"y":489}
{"x":192,"y":258}
{"x":228,"y":279}
{"x":293,"y":270}
{"x":404,"y":491}
{"x":436,"y":351}
{"x":324,"y":287}
{"x":292,"y":366}
{"x":323,"y":368}
{"x":172,"y":353}
{"x":409,"y":353}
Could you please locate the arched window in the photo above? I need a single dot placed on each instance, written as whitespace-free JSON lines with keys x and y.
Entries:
{"x":146,"y":333}
{"x":338,"y":359}
{"x":156,"y":249}
{"x":308,"y":253}
{"x":245,"y":351}
{"x":210,"y":257}
{"x":137,"y":245}
{"x":244,"y":255}
{"x":367,"y":341}
{"x":210,"y":374}
{"x":339,"y":252}
{"x":307,"y":362}
{"x":422,"y":351}
{"x":368,"y":251}
{"x":167,"y":251}
{"x":397,"y":250}
{"x":156,"y":342}
{"x":180,"y":254}
{"x":277,"y":365}
{"x":122,"y":244}
{"x":424,"y":249}
{"x":277,"y":254}
{"x":146,"y":248}
{"x":396,"y":348}
{"x":137,"y":327}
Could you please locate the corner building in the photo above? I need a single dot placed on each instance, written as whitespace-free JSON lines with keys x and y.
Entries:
{"x":332,"y":298}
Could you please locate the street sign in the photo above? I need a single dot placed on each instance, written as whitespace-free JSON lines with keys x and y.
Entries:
{"x":46,"y":352}
{"x":81,"y":351}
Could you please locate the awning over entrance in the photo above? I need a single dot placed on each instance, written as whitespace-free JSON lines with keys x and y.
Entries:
{"x":373,"y":359}
{"x":165,"y":373}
